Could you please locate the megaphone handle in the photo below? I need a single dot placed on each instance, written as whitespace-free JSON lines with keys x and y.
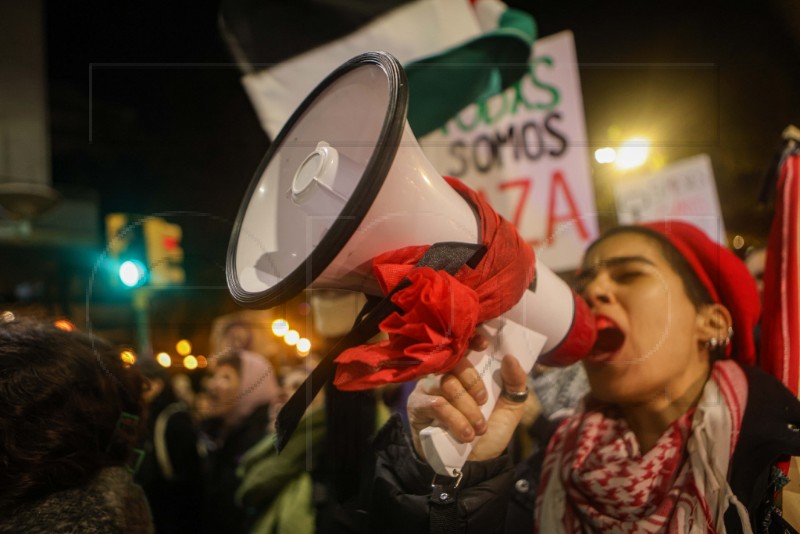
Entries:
{"x":445,"y":453}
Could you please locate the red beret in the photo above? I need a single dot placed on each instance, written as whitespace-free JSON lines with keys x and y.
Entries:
{"x":724,"y":276}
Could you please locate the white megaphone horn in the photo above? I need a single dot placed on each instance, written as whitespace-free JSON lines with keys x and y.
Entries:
{"x":345,"y":181}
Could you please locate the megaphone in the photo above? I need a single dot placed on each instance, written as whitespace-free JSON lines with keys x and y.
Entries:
{"x":345,"y":181}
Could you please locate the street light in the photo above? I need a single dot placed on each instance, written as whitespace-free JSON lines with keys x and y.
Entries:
{"x":163,"y":359}
{"x":605,"y":155}
{"x":292,"y":337}
{"x":183,"y":347}
{"x":632,"y":153}
{"x":280,"y":327}
{"x":303,"y":346}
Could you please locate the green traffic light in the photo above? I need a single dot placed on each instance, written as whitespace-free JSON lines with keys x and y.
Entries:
{"x":132,"y":273}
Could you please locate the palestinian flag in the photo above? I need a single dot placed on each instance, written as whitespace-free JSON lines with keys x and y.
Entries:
{"x":454,"y":51}
{"x":780,"y":319}
{"x":780,"y":324}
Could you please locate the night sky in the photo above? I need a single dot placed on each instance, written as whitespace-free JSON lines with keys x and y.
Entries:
{"x":147,"y":109}
{"x":165,"y":124}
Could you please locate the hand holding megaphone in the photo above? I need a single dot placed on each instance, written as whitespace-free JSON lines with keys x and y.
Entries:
{"x":457,"y":402}
{"x":484,"y":392}
{"x":516,"y":333}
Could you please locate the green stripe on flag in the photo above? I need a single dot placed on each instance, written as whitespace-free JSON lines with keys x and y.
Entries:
{"x":443,"y":84}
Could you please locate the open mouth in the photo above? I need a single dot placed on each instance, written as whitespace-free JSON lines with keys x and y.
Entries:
{"x":609,"y":337}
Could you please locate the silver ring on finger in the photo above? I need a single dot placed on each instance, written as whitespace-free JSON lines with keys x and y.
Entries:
{"x":515,"y":396}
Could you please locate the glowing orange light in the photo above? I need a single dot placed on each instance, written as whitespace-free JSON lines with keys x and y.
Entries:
{"x":280,"y":327}
{"x":183,"y":347}
{"x":303,"y":345}
{"x":128,"y":357}
{"x":64,"y":324}
{"x":291,"y":338}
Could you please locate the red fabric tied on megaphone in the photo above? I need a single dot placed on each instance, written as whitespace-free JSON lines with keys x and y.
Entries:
{"x":439,"y":311}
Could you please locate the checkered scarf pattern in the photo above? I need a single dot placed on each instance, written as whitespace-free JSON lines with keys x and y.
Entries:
{"x":596,"y":479}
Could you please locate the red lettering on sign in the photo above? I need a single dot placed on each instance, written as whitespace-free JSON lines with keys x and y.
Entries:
{"x":573,"y":215}
{"x":525,"y":184}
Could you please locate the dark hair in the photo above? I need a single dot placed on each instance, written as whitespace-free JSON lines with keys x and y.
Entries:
{"x":151,"y":370}
{"x":695,"y":290}
{"x":69,"y":407}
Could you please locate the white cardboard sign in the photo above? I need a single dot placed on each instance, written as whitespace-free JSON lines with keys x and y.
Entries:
{"x":526,"y":151}
{"x":683,"y":190}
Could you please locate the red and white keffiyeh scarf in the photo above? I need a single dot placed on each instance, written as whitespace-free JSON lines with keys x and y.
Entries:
{"x":595,"y":478}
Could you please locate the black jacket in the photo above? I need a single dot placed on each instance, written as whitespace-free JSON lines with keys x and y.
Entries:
{"x":222,"y":514}
{"x":496,"y":496}
{"x":176,"y":498}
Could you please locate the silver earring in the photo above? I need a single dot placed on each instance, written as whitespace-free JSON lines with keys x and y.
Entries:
{"x":712,"y":343}
{"x":727,"y":340}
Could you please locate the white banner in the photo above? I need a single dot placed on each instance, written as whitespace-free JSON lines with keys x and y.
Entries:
{"x":526,"y":151}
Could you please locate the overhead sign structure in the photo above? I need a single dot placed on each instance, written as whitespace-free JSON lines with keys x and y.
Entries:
{"x":683,"y":190}
{"x":525,"y":150}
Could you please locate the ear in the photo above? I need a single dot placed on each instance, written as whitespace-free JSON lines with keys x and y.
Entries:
{"x":714,"y":321}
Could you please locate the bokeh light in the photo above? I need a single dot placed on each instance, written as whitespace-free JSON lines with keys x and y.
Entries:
{"x":132,"y":273}
{"x":605,"y":155}
{"x":190,"y":362}
{"x":183,"y":347}
{"x":163,"y":359}
{"x":292,"y":337}
{"x":633,"y":153}
{"x":303,"y":345}
{"x":127,"y":356}
{"x":64,"y":324}
{"x":280,"y":327}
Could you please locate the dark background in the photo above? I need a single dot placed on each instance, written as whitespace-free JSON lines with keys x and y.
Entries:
{"x":148,"y":113}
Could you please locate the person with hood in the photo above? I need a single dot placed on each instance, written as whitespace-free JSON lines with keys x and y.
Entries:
{"x":279,"y":487}
{"x":240,"y":390}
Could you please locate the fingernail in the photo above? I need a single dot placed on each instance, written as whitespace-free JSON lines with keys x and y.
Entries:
{"x":468,"y":433}
{"x":481,"y":426}
{"x":482,"y":397}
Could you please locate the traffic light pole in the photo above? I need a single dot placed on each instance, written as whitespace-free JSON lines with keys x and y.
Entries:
{"x":141,"y":308}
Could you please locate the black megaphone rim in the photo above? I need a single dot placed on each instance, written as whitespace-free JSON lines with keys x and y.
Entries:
{"x":357,"y":206}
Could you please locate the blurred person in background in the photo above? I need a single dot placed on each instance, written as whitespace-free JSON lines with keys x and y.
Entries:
{"x":278,"y":489}
{"x":181,"y":386}
{"x":70,"y":417}
{"x":201,"y":410}
{"x":240,"y":390}
{"x":171,"y":473}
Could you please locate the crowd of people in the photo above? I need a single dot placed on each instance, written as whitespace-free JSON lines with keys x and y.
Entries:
{"x":668,"y":426}
{"x":92,"y":444}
